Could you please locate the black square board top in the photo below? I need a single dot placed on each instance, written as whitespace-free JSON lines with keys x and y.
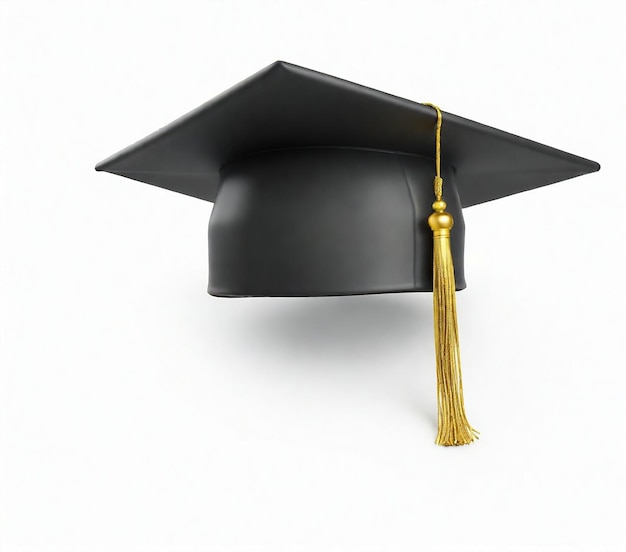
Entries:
{"x":285,"y":106}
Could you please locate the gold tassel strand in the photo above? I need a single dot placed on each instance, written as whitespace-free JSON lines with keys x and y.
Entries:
{"x":454,"y":429}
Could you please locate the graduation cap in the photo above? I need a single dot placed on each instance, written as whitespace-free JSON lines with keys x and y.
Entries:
{"x":325,"y":187}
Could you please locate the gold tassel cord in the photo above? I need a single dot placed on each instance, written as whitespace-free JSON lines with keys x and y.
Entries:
{"x":454,"y":428}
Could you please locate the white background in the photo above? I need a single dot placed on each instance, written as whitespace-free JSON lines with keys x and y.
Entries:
{"x":140,"y":414}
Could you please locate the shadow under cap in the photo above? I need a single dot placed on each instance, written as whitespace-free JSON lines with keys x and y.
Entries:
{"x":335,"y":327}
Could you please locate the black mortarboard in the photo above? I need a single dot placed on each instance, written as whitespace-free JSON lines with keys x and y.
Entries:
{"x":324,"y":187}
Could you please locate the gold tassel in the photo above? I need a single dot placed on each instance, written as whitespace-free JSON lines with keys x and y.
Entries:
{"x":454,"y":429}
